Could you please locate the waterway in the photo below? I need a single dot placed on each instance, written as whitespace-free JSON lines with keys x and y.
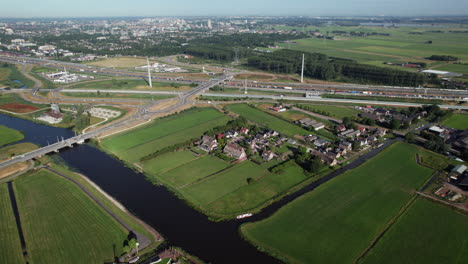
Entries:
{"x":216,"y":242}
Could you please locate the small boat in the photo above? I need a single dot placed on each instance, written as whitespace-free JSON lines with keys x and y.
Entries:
{"x":133,"y":260}
{"x":243,"y":216}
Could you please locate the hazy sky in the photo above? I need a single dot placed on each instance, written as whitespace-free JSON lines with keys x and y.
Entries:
{"x":80,"y":8}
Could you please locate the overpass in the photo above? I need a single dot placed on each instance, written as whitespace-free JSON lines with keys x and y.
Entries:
{"x":143,"y":113}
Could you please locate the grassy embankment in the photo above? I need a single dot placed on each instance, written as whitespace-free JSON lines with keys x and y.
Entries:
{"x":8,"y":135}
{"x":336,"y":222}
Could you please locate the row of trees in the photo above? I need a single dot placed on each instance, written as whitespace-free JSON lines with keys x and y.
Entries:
{"x":322,"y":67}
{"x":442,"y":58}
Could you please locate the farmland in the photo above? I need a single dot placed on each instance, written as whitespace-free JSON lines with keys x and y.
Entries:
{"x":338,"y":220}
{"x":10,"y":245}
{"x":134,"y":145}
{"x":19,"y":108}
{"x":458,"y":121}
{"x":399,"y":47}
{"x":416,"y":236}
{"x":8,"y":135}
{"x":267,"y":120}
{"x":79,"y":231}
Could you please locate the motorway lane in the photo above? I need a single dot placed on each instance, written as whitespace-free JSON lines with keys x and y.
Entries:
{"x":320,"y":99}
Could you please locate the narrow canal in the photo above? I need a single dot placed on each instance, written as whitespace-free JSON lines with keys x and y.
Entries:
{"x":216,"y":242}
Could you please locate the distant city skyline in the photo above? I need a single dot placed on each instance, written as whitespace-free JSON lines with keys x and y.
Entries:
{"x":151,"y":8}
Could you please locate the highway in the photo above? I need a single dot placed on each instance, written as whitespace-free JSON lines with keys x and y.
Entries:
{"x":375,"y":89}
{"x":336,"y":100}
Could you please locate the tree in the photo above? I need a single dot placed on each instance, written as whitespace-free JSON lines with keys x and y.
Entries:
{"x":126,"y":249}
{"x":356,"y":146}
{"x":395,"y":124}
{"x":133,"y":243}
{"x":410,"y":137}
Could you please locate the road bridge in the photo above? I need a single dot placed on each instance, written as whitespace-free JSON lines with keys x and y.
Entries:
{"x":143,"y":113}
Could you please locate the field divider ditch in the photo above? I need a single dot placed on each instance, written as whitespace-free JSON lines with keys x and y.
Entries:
{"x":230,"y":166}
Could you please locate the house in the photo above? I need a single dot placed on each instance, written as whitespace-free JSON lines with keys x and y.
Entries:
{"x":345,"y":145}
{"x":310,"y":138}
{"x":361,"y":129}
{"x":371,"y":139}
{"x":381,"y":111}
{"x":353,"y":134}
{"x":278,"y":109}
{"x":457,"y":171}
{"x":320,"y":142}
{"x":268,"y":155}
{"x":307,"y":122}
{"x":219,"y":136}
{"x":371,"y":116}
{"x":403,"y":119}
{"x":340,"y":128}
{"x":244,"y":131}
{"x":208,"y":144}
{"x":380,"y":132}
{"x":362,"y":142}
{"x":235,"y":151}
{"x":51,"y":117}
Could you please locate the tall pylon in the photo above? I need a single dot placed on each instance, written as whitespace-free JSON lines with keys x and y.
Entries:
{"x":302,"y":71}
{"x":149,"y":73}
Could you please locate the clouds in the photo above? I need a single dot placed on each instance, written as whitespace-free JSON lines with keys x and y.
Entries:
{"x":63,"y":8}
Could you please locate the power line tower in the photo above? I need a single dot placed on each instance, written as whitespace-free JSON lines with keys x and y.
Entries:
{"x":149,"y":73}
{"x":236,"y":56}
{"x":302,"y":70}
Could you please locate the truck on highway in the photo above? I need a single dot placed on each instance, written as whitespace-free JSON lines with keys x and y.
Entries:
{"x":287,"y":88}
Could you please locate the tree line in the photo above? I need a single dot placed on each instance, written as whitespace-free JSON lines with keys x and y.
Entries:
{"x":320,"y":66}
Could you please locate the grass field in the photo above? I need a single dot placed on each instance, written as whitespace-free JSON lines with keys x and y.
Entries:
{"x":458,"y":121}
{"x":63,"y":225}
{"x":4,"y":73}
{"x":132,"y":146}
{"x":334,"y":111}
{"x":426,"y":233}
{"x":8,"y":135}
{"x":337,"y":221}
{"x":16,"y":99}
{"x":129,"y":84}
{"x":119,"y":95}
{"x":267,"y":120}
{"x":10,"y":245}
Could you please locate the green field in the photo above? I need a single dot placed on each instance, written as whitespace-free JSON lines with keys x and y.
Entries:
{"x":8,"y":135}
{"x":119,"y":95}
{"x":61,"y":224}
{"x":426,"y":233}
{"x":132,"y":146}
{"x":128,"y":84}
{"x":399,"y":47}
{"x":337,"y":221}
{"x":458,"y":121}
{"x":10,"y":245}
{"x":16,"y":98}
{"x":267,"y":120}
{"x":331,"y":110}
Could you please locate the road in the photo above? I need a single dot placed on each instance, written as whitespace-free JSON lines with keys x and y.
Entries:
{"x":391,"y":90}
{"x":336,"y":100}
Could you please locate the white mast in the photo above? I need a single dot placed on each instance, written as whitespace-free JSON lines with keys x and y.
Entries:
{"x":302,"y":71}
{"x":149,"y":73}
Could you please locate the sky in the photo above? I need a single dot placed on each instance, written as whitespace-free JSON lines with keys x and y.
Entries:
{"x":105,"y":8}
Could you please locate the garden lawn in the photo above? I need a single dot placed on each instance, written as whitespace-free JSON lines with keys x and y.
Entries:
{"x":426,"y":233}
{"x":458,"y":121}
{"x":8,"y":135}
{"x":10,"y":245}
{"x":337,"y":221}
{"x":267,"y":120}
{"x":61,"y":224}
